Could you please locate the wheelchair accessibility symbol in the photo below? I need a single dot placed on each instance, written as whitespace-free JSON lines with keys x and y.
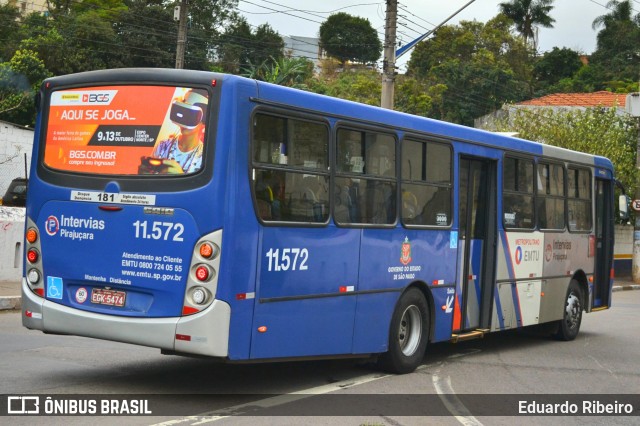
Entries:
{"x":54,"y":288}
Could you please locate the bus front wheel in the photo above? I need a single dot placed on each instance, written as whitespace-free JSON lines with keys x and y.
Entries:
{"x":408,"y":334}
{"x":569,"y":325}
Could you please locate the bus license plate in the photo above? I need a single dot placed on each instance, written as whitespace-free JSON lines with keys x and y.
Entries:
{"x":108,"y":297}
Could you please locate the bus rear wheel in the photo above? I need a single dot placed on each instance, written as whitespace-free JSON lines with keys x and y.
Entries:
{"x":408,"y":334}
{"x":569,"y":325}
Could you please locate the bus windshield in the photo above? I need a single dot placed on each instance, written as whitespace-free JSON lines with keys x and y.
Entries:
{"x":127,"y":130}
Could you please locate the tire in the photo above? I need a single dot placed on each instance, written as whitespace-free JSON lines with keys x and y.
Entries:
{"x":408,"y":334}
{"x":569,"y":325}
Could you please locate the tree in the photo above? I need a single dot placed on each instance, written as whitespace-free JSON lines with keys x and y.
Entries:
{"x":207,"y":21}
{"x":527,"y":14}
{"x":20,"y":80}
{"x":481,"y":65}
{"x":617,"y":55}
{"x":9,"y":14}
{"x":242,"y":48}
{"x":621,"y":11}
{"x":147,"y":35}
{"x":350,"y":38}
{"x":556,"y":65}
{"x":291,"y":72}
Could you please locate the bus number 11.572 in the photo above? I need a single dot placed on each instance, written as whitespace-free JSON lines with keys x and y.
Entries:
{"x":287,"y":259}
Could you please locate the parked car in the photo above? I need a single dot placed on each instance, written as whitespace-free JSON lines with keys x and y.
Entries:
{"x":16,"y":195}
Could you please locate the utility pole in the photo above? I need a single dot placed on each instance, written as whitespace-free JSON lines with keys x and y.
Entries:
{"x":632,"y":107}
{"x":389,"y":61}
{"x":182,"y":35}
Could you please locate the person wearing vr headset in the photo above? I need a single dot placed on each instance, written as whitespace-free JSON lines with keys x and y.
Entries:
{"x":182,"y":152}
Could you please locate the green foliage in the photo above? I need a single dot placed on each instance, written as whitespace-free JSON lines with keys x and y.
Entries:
{"x":527,"y":14}
{"x":362,"y":86}
{"x":481,"y":66}
{"x":594,"y":130}
{"x":350,"y":38}
{"x":20,"y":80}
{"x":291,"y":72}
{"x":241,"y":48}
{"x":556,"y":65}
{"x":9,"y":14}
{"x":617,"y":56}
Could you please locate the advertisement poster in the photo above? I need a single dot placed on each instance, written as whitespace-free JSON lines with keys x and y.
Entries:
{"x":126,"y":130}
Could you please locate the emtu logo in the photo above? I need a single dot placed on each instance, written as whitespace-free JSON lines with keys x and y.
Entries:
{"x":52,"y":225}
{"x":518,"y":255}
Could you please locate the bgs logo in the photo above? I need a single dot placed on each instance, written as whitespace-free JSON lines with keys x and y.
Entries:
{"x":96,"y":98}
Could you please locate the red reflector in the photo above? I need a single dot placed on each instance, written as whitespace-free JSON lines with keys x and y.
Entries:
{"x":39,"y":292}
{"x":110,"y":208}
{"x":188,"y":310}
{"x":612,"y":274}
{"x":28,"y":314}
{"x":241,"y":296}
{"x":202,"y":273}
{"x":183,"y":337}
{"x":343,"y":289}
{"x":214,"y":83}
{"x":32,"y":256}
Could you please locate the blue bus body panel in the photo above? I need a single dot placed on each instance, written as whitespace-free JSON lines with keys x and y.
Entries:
{"x":304,"y":279}
{"x":386,"y":270}
{"x":86,"y":248}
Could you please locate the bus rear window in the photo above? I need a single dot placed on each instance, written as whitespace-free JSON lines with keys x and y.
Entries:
{"x":127,"y":130}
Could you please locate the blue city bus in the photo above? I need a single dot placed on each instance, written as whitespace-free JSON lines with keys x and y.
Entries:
{"x":213,"y":215}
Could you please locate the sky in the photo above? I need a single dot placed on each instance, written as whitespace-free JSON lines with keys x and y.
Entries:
{"x":572,"y":28}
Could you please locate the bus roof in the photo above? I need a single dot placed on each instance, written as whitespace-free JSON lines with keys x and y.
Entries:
{"x":338,"y":108}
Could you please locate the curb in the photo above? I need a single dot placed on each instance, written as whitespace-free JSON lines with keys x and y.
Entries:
{"x":10,"y":303}
{"x":627,"y":287}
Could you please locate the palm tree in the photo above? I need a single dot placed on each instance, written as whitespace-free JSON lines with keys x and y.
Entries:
{"x":620,"y":11}
{"x":527,"y":14}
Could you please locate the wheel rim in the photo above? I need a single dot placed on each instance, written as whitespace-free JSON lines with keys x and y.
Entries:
{"x":410,"y":330}
{"x":573,"y":311}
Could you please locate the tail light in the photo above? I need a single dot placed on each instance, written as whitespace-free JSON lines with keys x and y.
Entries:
{"x":203,"y":274}
{"x":34,"y":272}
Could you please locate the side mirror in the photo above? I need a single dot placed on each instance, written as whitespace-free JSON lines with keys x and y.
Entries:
{"x":623,"y":207}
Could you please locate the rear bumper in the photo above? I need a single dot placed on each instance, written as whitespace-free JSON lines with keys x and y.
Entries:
{"x":205,"y":333}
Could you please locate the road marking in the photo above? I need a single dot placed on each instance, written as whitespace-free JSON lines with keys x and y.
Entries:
{"x":448,"y":397}
{"x":212,"y":416}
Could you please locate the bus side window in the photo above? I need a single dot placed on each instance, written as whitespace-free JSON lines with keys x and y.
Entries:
{"x":551,"y":196}
{"x":290,"y":161}
{"x":426,"y":183}
{"x":365,"y":183}
{"x":518,"y":198}
{"x":579,"y":199}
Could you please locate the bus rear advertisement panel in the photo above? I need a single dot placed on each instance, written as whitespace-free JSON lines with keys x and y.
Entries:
{"x":115,"y":130}
{"x":348,"y":230}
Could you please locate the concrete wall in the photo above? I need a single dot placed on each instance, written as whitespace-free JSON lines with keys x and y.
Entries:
{"x":11,"y":242}
{"x":15,"y":141}
{"x":623,"y":250}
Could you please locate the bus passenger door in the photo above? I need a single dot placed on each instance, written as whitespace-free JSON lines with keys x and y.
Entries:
{"x":603,"y":243}
{"x":477,"y":234}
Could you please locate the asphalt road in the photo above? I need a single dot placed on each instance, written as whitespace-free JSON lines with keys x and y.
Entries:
{"x":602,"y":360}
